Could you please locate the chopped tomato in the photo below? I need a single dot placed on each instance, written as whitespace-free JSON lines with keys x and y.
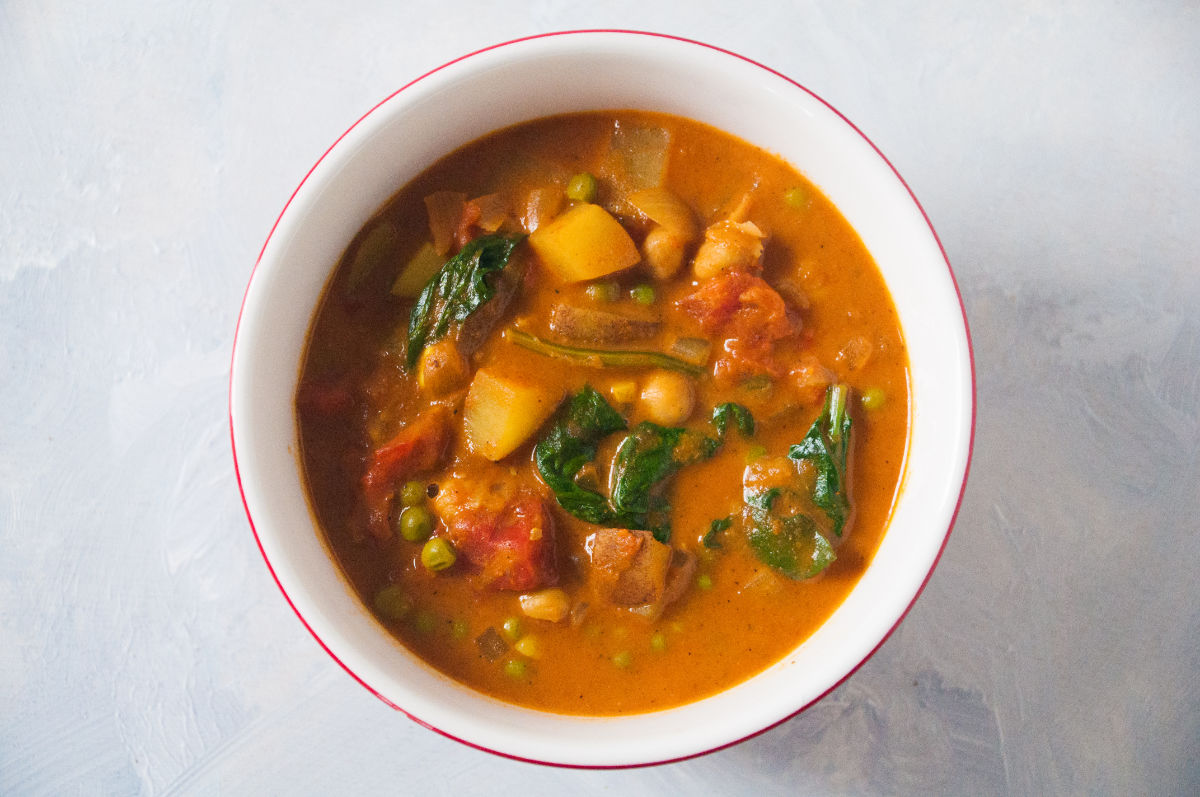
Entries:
{"x":750,"y":315}
{"x":512,"y":547}
{"x":417,"y":447}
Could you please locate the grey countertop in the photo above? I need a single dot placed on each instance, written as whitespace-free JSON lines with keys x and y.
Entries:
{"x":148,"y":148}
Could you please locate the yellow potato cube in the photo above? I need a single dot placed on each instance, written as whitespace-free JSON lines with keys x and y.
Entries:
{"x":501,"y":412}
{"x":584,"y":243}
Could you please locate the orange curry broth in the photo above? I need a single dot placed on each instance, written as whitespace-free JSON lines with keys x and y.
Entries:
{"x":711,"y":638}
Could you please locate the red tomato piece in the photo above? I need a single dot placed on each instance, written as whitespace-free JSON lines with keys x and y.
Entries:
{"x":417,"y":447}
{"x":512,"y":547}
{"x":749,"y":314}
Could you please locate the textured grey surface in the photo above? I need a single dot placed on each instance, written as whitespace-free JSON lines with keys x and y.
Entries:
{"x":148,"y":148}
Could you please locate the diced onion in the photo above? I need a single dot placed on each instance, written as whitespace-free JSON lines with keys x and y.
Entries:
{"x":666,"y":208}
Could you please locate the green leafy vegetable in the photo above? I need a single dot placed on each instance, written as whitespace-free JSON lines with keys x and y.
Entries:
{"x":786,"y":526}
{"x":585,"y":419}
{"x":740,"y":415}
{"x":646,"y":458}
{"x":826,"y":447}
{"x":459,"y":288}
{"x":645,"y":461}
{"x":790,"y":543}
{"x":715,"y":528}
{"x":651,"y":454}
{"x":602,"y":357}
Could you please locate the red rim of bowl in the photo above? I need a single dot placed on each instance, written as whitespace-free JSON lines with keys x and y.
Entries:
{"x":949,"y":528}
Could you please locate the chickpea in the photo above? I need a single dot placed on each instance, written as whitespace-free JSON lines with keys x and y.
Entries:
{"x":668,"y":398}
{"x":442,"y":368}
{"x":662,"y":253}
{"x":728,"y":246}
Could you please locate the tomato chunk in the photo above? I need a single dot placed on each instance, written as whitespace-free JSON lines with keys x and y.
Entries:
{"x":417,"y":447}
{"x":750,"y":315}
{"x":512,"y":546}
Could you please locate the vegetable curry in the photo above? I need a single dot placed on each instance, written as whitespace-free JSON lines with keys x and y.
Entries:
{"x":604,"y":413}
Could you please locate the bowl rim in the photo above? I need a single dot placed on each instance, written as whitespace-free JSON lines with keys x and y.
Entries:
{"x":970,"y":373}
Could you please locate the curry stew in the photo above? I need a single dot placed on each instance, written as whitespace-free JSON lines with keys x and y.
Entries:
{"x":604,"y":413}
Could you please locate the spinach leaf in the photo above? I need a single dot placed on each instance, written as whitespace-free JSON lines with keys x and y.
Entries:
{"x":780,"y":525}
{"x":585,"y":419}
{"x":459,"y":288}
{"x":716,"y":527}
{"x":740,"y":415}
{"x":646,"y":458}
{"x":790,"y":543}
{"x":826,"y":447}
{"x":645,"y":461}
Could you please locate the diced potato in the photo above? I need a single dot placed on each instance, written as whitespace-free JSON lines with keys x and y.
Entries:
{"x":417,"y":272}
{"x":584,"y":243}
{"x":501,"y":412}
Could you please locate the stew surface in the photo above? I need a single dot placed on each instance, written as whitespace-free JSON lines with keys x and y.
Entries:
{"x":604,"y":413}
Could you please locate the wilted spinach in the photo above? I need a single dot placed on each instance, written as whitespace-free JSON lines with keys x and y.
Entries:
{"x":645,"y":460}
{"x":740,"y":416}
{"x":714,"y":529}
{"x":790,"y":543}
{"x":826,"y":447}
{"x":584,"y":421}
{"x":779,"y":523}
{"x":459,"y":288}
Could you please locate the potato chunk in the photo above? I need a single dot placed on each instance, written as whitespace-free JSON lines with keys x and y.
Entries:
{"x":501,"y":412}
{"x":584,"y":243}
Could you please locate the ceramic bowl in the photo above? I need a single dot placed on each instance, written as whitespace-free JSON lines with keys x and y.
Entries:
{"x":522,"y":80}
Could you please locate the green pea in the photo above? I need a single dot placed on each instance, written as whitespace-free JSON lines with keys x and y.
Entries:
{"x":515,"y":668}
{"x":459,"y":629}
{"x":623,"y":659}
{"x":873,"y":398}
{"x":392,"y":603}
{"x":756,"y":451}
{"x":582,"y":188}
{"x":512,"y":628}
{"x":416,"y":523}
{"x":412,"y":493}
{"x":658,"y":642}
{"x":425,"y":622}
{"x":437,"y":554}
{"x":704,"y":581}
{"x":643,"y":294}
{"x":606,"y":291}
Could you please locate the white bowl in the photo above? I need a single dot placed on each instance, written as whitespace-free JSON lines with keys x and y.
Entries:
{"x":523,"y":80}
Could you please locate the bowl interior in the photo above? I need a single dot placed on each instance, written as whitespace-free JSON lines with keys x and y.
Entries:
{"x":525,"y":80}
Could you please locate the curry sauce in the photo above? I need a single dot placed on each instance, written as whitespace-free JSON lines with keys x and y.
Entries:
{"x":661,"y":270}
